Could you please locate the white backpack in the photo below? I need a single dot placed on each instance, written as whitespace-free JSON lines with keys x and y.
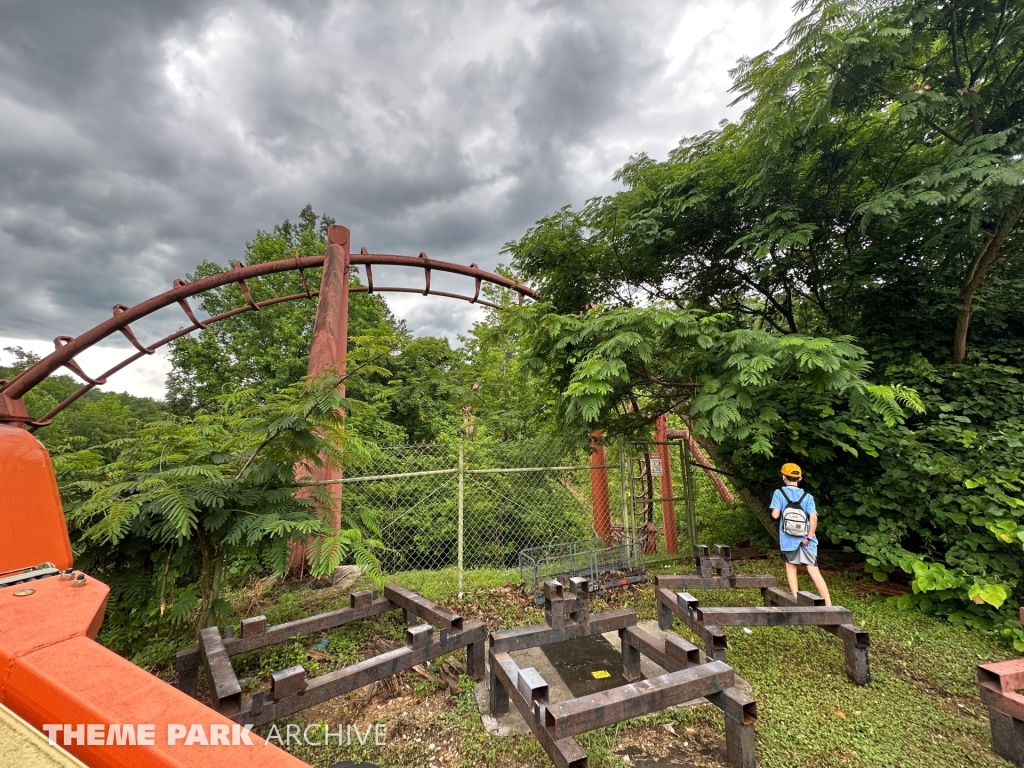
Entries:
{"x":795,"y":521}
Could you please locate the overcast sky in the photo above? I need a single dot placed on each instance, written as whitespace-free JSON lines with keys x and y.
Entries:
{"x":137,"y":139}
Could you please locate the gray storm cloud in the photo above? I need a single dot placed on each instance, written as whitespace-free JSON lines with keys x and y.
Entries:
{"x":137,"y":139}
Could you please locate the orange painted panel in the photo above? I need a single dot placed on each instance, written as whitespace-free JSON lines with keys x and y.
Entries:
{"x":54,"y":612}
{"x":32,"y":528}
{"x":78,"y":681}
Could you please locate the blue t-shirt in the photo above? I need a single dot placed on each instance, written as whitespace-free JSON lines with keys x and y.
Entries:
{"x":781,"y":497}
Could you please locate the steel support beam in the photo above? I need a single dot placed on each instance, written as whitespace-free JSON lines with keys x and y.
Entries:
{"x":668,"y":506}
{"x":564,"y":753}
{"x":256,"y":634}
{"x":12,"y":407}
{"x":260,"y":711}
{"x":759,"y":616}
{"x":534,"y":635}
{"x":998,"y":684}
{"x":694,"y":581}
{"x":781,"y":609}
{"x":672,"y":653}
{"x":555,"y":724}
{"x":419,"y":606}
{"x":599,"y":495}
{"x":588,"y":713}
{"x":227,"y":693}
{"x":290,"y":690}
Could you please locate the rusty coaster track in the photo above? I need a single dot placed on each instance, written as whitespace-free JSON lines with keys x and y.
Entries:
{"x":12,"y":408}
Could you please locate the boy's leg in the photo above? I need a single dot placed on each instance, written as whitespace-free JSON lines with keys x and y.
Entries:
{"x":819,"y":583}
{"x":794,"y":585}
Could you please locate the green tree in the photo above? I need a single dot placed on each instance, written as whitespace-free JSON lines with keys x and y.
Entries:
{"x":938,"y":87}
{"x":93,"y":420}
{"x":269,"y":349}
{"x":724,"y":379}
{"x":872,"y":187}
{"x":218,"y":488}
{"x":419,"y":394}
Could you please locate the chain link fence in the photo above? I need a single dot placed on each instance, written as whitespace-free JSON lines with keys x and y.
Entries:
{"x":469,"y":505}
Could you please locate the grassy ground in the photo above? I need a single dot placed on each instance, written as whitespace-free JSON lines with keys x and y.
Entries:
{"x":921,"y":708}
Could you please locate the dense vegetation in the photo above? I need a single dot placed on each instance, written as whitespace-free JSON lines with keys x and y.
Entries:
{"x":172,"y":503}
{"x":866,"y":207}
{"x":834,"y":279}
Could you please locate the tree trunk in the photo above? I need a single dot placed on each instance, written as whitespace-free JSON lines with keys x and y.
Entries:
{"x":975,"y":277}
{"x":757,"y":506}
{"x":209,"y":579}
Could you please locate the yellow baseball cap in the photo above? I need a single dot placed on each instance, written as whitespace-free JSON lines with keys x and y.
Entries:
{"x":792,"y":470}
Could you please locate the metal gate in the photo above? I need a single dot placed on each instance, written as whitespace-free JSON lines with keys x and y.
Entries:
{"x":656,"y":476}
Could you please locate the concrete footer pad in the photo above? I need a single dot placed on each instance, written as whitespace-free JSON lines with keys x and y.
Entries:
{"x":559,"y":690}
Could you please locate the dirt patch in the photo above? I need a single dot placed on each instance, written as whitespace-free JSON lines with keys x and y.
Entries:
{"x":668,"y":745}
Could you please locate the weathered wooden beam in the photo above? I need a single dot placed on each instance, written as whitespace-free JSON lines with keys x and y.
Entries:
{"x":227,"y":693}
{"x":597,"y":710}
{"x":430,"y":612}
{"x":534,"y":635}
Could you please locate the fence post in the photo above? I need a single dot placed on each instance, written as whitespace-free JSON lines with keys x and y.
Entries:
{"x":462,"y":487}
{"x":688,"y":496}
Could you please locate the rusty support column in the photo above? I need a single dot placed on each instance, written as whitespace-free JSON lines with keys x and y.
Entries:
{"x":700,"y":458}
{"x":668,"y":508}
{"x":498,"y":703}
{"x":599,"y":489}
{"x":327,"y":353}
{"x":339,"y":238}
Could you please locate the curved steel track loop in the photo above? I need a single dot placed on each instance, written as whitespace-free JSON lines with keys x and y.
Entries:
{"x":68,"y":347}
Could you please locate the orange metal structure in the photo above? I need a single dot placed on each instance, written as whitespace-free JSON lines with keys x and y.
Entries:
{"x":52,"y":671}
{"x":32,"y":529}
{"x":599,"y":489}
{"x":668,"y":504}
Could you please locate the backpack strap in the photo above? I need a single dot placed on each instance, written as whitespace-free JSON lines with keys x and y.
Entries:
{"x":799,"y":502}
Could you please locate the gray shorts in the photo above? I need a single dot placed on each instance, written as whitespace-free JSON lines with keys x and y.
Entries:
{"x":800,"y":556}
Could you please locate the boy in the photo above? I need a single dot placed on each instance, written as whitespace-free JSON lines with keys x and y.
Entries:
{"x":798,"y":551}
